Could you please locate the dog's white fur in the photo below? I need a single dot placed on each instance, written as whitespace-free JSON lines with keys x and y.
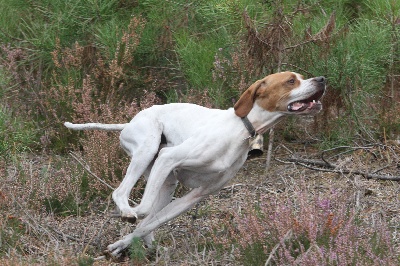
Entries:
{"x":204,"y":148}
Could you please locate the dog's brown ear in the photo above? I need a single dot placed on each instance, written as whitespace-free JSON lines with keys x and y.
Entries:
{"x":245,"y":103}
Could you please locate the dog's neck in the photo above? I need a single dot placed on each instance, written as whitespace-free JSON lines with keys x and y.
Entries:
{"x":262,"y":120}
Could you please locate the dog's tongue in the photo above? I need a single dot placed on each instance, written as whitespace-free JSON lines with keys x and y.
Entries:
{"x":297,"y":106}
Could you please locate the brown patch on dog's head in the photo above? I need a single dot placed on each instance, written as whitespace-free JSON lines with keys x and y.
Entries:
{"x":271,"y":93}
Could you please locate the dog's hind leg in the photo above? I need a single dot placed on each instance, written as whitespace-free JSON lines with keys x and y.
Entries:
{"x":164,"y":197}
{"x":172,"y":210}
{"x":141,"y":140}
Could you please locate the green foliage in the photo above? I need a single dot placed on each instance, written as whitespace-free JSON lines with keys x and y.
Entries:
{"x":66,"y":20}
{"x":205,"y":46}
{"x":84,"y":185}
{"x":16,"y":135}
{"x":137,"y":252}
{"x":107,"y":35}
{"x":66,"y":206}
{"x":85,"y":261}
{"x":196,"y":60}
{"x":254,"y":254}
{"x":357,"y":67}
{"x":11,"y":13}
{"x":358,"y":61}
{"x":386,"y":10}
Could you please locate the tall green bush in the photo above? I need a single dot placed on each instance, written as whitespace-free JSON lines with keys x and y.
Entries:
{"x":356,"y":68}
{"x":204,"y":46}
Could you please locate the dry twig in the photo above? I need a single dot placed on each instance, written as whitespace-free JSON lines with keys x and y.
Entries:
{"x":287,"y":236}
{"x":84,"y":165}
{"x":328,"y":167}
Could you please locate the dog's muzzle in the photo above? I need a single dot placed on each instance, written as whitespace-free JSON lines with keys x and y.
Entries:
{"x":311,"y":104}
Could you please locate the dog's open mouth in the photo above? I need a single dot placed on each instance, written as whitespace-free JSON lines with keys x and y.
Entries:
{"x":312,"y":103}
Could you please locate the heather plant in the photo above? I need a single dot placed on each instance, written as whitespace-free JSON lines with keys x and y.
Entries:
{"x":86,"y":86}
{"x":57,"y":185}
{"x":32,"y":30}
{"x":308,"y":230}
{"x":101,"y":97}
{"x":41,"y":52}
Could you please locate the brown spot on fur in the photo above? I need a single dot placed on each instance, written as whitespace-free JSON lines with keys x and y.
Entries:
{"x":271,"y":93}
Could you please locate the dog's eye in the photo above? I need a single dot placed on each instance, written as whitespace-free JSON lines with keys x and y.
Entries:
{"x":291,"y":81}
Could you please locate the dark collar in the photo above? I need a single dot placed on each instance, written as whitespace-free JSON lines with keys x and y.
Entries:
{"x":249,"y":126}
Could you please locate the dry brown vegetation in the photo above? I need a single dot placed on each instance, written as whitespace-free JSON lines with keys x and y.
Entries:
{"x":218,"y":229}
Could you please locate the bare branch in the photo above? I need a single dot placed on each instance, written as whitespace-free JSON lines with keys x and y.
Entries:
{"x":326,"y":31}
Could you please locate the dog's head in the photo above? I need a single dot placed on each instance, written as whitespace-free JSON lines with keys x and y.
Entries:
{"x":286,"y":92}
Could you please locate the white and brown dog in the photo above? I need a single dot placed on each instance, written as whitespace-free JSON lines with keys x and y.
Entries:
{"x":177,"y":142}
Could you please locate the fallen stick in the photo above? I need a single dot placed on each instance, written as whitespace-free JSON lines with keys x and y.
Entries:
{"x":335,"y":169}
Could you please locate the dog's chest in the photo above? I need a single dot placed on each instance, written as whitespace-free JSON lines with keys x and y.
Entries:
{"x":208,"y":174}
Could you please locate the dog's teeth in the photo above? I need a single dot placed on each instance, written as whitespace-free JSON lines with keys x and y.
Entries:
{"x":313,"y":101}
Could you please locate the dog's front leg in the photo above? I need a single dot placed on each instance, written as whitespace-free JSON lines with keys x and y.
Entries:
{"x":159,"y":173}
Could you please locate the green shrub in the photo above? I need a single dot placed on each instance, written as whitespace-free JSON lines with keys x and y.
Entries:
{"x":357,"y":68}
{"x":137,"y":252}
{"x":180,"y":50}
{"x":16,"y":134}
{"x":85,"y":261}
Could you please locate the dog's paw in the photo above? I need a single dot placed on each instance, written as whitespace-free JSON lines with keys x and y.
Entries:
{"x":110,"y":256}
{"x":116,"y":251}
{"x":116,"y":258}
{"x":126,"y":214}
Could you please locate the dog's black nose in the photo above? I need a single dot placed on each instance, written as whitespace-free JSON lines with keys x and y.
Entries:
{"x":320,"y":79}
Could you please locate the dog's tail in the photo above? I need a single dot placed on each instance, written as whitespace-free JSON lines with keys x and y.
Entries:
{"x":95,"y":126}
